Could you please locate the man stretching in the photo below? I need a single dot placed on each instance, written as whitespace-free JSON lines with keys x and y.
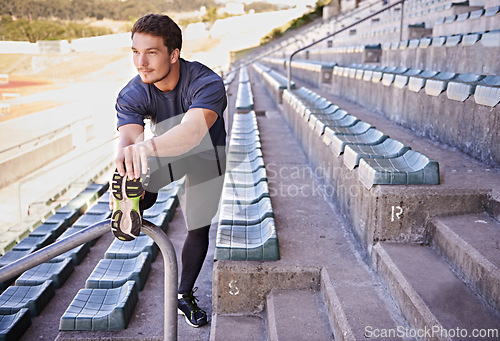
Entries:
{"x":185,"y":102}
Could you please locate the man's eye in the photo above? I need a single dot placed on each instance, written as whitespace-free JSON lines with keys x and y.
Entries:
{"x":152,"y":52}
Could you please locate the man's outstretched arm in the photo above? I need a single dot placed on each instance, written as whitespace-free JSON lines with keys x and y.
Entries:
{"x":177,"y":141}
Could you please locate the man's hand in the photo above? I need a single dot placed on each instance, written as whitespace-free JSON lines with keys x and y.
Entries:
{"x":133,"y":159}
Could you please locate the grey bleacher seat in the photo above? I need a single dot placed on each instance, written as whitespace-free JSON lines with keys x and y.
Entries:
{"x":388,"y":149}
{"x":35,"y":298}
{"x":130,"y":249}
{"x":412,"y":168}
{"x":100,"y":309}
{"x":370,"y":137}
{"x":13,"y":326}
{"x":57,"y":272}
{"x":113,"y":273}
{"x":32,"y":244}
{"x":436,"y":85}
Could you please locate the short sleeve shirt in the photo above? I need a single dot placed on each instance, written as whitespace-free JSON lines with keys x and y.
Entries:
{"x":198,"y":87}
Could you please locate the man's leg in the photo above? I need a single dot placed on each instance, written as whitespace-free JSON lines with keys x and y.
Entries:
{"x":194,"y":252}
{"x":203,"y":187}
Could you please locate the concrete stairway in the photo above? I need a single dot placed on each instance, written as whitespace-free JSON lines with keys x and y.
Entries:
{"x":445,"y":288}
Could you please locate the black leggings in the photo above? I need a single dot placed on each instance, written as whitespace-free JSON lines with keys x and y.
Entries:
{"x":194,"y":252}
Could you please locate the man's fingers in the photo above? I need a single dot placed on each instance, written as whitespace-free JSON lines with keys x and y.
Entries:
{"x":144,"y":163}
{"x":119,"y":165}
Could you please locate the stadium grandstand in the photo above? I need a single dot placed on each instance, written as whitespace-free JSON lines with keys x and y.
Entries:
{"x":361,"y":199}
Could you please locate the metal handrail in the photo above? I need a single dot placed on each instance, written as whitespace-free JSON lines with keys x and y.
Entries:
{"x":95,"y":231}
{"x":289,"y":66}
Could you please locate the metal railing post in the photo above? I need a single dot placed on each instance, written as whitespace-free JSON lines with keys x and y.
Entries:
{"x":402,"y":19}
{"x":289,"y":76}
{"x":170,"y":264}
{"x":95,"y":231}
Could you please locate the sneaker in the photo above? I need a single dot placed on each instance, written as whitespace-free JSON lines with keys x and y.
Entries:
{"x":188,"y":307}
{"x":126,"y":219}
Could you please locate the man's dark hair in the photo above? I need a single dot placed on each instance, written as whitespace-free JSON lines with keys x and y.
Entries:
{"x":161,"y":26}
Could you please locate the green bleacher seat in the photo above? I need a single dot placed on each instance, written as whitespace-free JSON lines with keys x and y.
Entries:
{"x":76,"y":254}
{"x":476,"y":14}
{"x":245,"y":167}
{"x":241,"y":214}
{"x":491,"y":11}
{"x":462,"y":86}
{"x":401,"y":80}
{"x":389,"y":148}
{"x":436,"y":85}
{"x":358,"y":128}
{"x":371,"y":137}
{"x":412,"y":168}
{"x":491,"y":39}
{"x":98,"y":209}
{"x":245,"y":195}
{"x":417,"y":83}
{"x":113,"y":273}
{"x":53,"y":229}
{"x":130,"y":249}
{"x":100,"y":309}
{"x":66,"y":215}
{"x":470,"y":39}
{"x":247,"y":242}
{"x":32,"y":244}
{"x":488,"y":91}
{"x":13,"y":326}
{"x":89,"y":219}
{"x":35,"y":298}
{"x":244,"y":98}
{"x":57,"y":272}
{"x":319,"y":124}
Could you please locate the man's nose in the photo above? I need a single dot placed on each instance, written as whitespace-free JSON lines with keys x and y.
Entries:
{"x":143,"y":60}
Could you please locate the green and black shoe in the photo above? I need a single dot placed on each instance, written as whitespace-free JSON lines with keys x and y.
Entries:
{"x":188,"y":307}
{"x":126,"y":219}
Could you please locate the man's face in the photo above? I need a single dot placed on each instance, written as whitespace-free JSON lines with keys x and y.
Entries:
{"x":151,"y":58}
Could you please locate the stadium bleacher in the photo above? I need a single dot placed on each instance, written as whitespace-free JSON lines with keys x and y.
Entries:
{"x":378,"y":169}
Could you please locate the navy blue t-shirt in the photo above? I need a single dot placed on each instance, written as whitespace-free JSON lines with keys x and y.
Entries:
{"x":198,"y":87}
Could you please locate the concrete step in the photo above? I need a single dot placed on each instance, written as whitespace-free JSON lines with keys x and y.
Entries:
{"x":297,"y":315}
{"x":237,"y":327}
{"x":433,"y":299}
{"x":470,"y":244}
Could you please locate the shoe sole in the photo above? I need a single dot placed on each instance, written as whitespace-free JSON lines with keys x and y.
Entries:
{"x":126,"y":219}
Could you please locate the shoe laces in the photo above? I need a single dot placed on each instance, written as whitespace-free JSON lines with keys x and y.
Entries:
{"x":191,"y":299}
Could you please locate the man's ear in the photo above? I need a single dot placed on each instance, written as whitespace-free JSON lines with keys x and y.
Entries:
{"x":174,"y":56}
